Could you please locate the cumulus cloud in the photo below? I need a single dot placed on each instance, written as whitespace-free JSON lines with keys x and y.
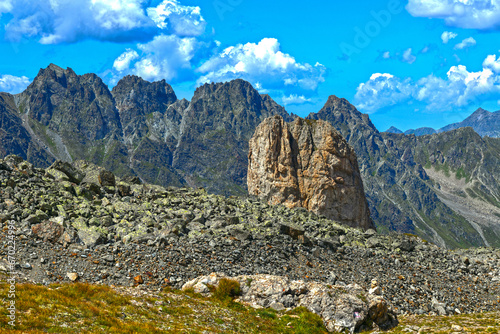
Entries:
{"x":182,"y":20}
{"x":408,"y":57}
{"x":470,"y":14}
{"x":69,"y":21}
{"x":382,"y":90}
{"x":166,"y":57}
{"x":5,"y":6}
{"x":294,"y":99}
{"x":491,"y":62}
{"x":265,"y":64}
{"x":447,"y":35}
{"x":12,"y":84}
{"x":122,"y":63}
{"x":466,"y":43}
{"x":457,"y":90}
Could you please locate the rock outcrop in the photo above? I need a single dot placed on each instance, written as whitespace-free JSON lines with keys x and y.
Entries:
{"x":341,"y":307}
{"x":307,"y":164}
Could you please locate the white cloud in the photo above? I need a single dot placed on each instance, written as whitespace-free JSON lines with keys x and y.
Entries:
{"x":457,"y":90}
{"x":5,"y":6}
{"x":123,"y":62}
{"x":408,"y":57}
{"x":182,"y":20}
{"x":69,"y":21}
{"x":447,"y":35}
{"x":12,"y":84}
{"x":382,"y":90}
{"x":263,"y":63}
{"x":491,"y":62}
{"x":466,"y":43}
{"x":469,"y":14}
{"x":166,"y":57}
{"x":294,"y":99}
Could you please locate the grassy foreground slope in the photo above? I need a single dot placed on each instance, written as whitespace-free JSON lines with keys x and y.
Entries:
{"x":85,"y":308}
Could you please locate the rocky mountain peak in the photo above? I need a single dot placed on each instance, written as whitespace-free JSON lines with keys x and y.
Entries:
{"x":338,"y":103}
{"x":345,"y":117}
{"x":52,"y":74}
{"x":393,"y":129}
{"x":307,"y":164}
{"x":479,"y":114}
{"x":144,"y":97}
{"x":78,"y":108}
{"x":59,"y":71}
{"x":235,"y":91}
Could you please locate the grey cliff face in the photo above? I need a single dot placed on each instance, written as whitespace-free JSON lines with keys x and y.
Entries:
{"x":15,"y":139}
{"x":214,"y":133}
{"x":70,"y":104}
{"x":307,"y":164}
{"x":135,"y":99}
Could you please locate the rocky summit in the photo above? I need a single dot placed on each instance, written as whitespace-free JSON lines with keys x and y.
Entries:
{"x":80,"y":222}
{"x":307,"y":164}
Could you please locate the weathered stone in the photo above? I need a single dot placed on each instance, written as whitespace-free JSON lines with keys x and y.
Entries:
{"x":299,"y":164}
{"x":72,"y":276}
{"x":123,"y":189}
{"x":106,"y":178}
{"x":92,"y":236}
{"x":291,"y":230}
{"x":37,"y":217}
{"x":72,"y":174}
{"x":48,"y":231}
{"x":240,"y":234}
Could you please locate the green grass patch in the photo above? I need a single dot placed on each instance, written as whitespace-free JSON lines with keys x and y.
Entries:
{"x":84,"y":308}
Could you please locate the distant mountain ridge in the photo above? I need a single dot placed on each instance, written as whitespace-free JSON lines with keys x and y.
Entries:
{"x":141,"y":129}
{"x":484,"y":122}
{"x":393,"y":129}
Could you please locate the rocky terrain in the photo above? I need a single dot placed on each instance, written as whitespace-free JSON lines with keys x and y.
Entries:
{"x":140,"y":129}
{"x":78,"y":222}
{"x":307,"y":164}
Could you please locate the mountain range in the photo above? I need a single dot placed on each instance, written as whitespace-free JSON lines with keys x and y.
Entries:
{"x":443,"y":187}
{"x":485,"y":123}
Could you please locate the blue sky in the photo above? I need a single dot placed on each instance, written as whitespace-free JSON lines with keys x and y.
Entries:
{"x":406,"y":63}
